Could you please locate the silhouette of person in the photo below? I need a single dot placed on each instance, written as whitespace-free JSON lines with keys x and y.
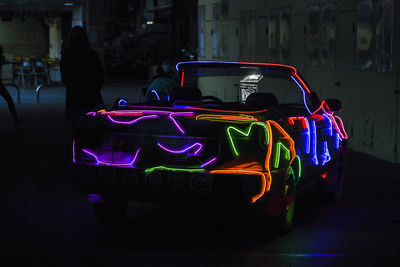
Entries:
{"x":5,"y":94}
{"x":162,"y":83}
{"x":83,"y":76}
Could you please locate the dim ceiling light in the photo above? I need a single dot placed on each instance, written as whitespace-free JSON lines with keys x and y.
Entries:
{"x":68,"y":4}
{"x":150,"y":22}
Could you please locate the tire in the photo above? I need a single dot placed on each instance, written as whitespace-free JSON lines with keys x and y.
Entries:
{"x":285,"y":218}
{"x":334,"y":184}
{"x":111,"y":210}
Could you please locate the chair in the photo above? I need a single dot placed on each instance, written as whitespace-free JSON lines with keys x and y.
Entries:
{"x":43,"y":70}
{"x":23,"y":69}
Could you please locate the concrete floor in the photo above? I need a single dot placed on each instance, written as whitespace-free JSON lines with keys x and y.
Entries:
{"x":48,"y":222}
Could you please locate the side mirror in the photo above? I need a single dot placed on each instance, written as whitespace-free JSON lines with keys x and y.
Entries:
{"x":333,"y":104}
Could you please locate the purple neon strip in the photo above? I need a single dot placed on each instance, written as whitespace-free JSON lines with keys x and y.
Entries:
{"x":200,"y":147}
{"x":73,"y":151}
{"x":304,"y":93}
{"x":177,"y":125}
{"x":109,"y":163}
{"x":211,"y":161}
{"x":137,"y":106}
{"x":91,"y":113}
{"x":147,"y":111}
{"x":132,"y":121}
{"x":95,"y":198}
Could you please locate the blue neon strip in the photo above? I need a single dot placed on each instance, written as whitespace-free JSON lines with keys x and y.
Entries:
{"x":195,"y":62}
{"x":304,"y":94}
{"x":155,"y":92}
{"x":308,"y":137}
{"x":337,"y":140}
{"x":313,"y":131}
{"x":325,"y":156}
{"x":329,"y":129}
{"x":122,"y":103}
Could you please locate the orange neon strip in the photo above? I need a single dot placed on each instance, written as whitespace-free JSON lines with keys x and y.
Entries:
{"x":237,"y":118}
{"x":269,"y":150}
{"x":287,"y":137}
{"x":265,"y":176}
{"x":266,"y":181}
{"x":324,"y":175}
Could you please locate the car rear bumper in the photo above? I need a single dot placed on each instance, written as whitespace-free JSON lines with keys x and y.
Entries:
{"x":166,"y":184}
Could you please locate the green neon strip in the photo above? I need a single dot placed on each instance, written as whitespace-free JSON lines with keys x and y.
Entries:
{"x":279,"y":145}
{"x":163,"y":168}
{"x":245,"y":133}
{"x":299,"y":163}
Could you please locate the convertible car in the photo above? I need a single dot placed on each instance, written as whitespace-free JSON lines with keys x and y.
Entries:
{"x":247,"y":134}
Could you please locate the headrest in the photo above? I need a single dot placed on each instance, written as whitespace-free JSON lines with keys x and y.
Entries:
{"x":262,"y":100}
{"x":186,"y":94}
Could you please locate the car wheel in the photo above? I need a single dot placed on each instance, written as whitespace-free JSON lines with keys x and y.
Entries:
{"x":111,"y":210}
{"x":285,"y":218}
{"x":334,"y":184}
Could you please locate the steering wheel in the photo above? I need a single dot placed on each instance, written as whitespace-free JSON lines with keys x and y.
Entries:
{"x":211,"y":100}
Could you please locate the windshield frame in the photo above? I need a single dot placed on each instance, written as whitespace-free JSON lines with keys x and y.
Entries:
{"x":292,"y":71}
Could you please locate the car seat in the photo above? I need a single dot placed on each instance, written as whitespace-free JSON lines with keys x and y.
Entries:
{"x":262,"y":100}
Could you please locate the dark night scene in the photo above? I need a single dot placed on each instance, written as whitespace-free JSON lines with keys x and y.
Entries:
{"x":200,"y":133}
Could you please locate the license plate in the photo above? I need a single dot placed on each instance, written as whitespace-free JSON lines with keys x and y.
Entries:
{"x":176,"y":182}
{"x":87,"y":175}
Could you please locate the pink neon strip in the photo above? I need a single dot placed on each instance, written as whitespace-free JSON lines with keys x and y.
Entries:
{"x":200,"y":147}
{"x":112,"y":164}
{"x":129,"y":113}
{"x":132,"y":121}
{"x":211,"y":161}
{"x":91,"y":113}
{"x":343,"y":133}
{"x":141,"y":112}
{"x":228,"y":111}
{"x":341,"y":126}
